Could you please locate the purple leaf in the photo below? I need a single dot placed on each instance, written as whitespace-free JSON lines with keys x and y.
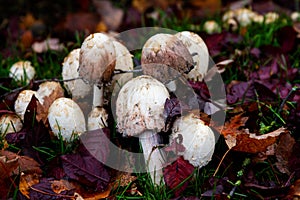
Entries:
{"x":86,"y":169}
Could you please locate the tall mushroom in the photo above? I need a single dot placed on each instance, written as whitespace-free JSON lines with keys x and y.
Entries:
{"x":97,"y":63}
{"x":164,"y":56}
{"x":139,"y":110}
{"x":198,"y":139}
{"x":197,"y":47}
{"x":78,"y":88}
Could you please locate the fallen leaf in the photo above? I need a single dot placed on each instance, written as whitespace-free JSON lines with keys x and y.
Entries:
{"x":283,"y":152}
{"x":176,"y":174}
{"x":44,"y":189}
{"x":294,"y":192}
{"x":26,"y":181}
{"x":86,"y":169}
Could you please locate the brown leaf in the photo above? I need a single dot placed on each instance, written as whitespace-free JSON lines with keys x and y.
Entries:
{"x":26,"y":181}
{"x":283,"y":152}
{"x":58,"y":186}
{"x":252,"y":143}
{"x":24,"y":164}
{"x":294,"y":192}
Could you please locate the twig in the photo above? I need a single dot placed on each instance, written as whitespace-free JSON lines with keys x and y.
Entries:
{"x":221,"y":162}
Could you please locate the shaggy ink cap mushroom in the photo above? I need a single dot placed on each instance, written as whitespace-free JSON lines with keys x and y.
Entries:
{"x":197,"y":138}
{"x":139,"y":110}
{"x":164,"y":56}
{"x":198,"y":49}
{"x":10,"y":123}
{"x":66,"y":118}
{"x":22,"y":102}
{"x":22,"y":71}
{"x":77,"y":88}
{"x":97,"y":63}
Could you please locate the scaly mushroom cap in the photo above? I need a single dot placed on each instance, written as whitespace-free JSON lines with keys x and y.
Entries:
{"x":97,"y":59}
{"x":195,"y":45}
{"x":22,"y":71}
{"x":10,"y":123}
{"x":197,"y":138}
{"x":123,"y":62}
{"x":66,"y":118}
{"x":140,"y":105}
{"x":47,"y":89}
{"x":163,"y":52}
{"x":78,"y":88}
{"x":22,"y":102}
{"x":97,"y":119}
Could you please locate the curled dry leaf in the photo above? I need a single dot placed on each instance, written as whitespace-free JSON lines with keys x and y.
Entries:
{"x":26,"y":181}
{"x":240,"y":139}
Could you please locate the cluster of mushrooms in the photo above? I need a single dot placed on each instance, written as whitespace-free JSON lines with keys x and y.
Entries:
{"x":139,"y":106}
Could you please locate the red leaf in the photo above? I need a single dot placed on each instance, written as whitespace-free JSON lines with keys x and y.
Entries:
{"x":176,"y":173}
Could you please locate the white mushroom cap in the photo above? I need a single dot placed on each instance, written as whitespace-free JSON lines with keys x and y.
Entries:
{"x":211,"y":26}
{"x":47,"y":89}
{"x":78,"y":88}
{"x":97,"y":58}
{"x":10,"y":123}
{"x":123,"y":62}
{"x":295,"y":16}
{"x":244,"y":16}
{"x":22,"y":71}
{"x":22,"y":102}
{"x":97,"y":119}
{"x":195,"y":44}
{"x":198,"y":139}
{"x":66,"y":118}
{"x":271,"y":17}
{"x":167,"y":52}
{"x":140,"y":105}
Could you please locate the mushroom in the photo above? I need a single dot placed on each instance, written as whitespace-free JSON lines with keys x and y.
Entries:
{"x":271,"y":17}
{"x":139,"y":110}
{"x":66,"y":118}
{"x":22,"y":102}
{"x":211,"y":26}
{"x":164,"y":56}
{"x":196,"y":47}
{"x":97,"y":63}
{"x":10,"y":123}
{"x":244,"y":16}
{"x":48,"y":92}
{"x":22,"y":71}
{"x":77,"y":88}
{"x":97,"y":119}
{"x":123,"y":63}
{"x":197,"y":138}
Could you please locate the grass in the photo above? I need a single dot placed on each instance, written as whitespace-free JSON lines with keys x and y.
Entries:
{"x":48,"y":66}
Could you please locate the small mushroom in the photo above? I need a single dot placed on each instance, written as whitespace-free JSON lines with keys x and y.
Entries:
{"x":271,"y":17}
{"x":197,"y":47}
{"x":164,"y":56}
{"x":66,"y":118}
{"x":244,"y":16}
{"x":10,"y":123}
{"x":47,"y":90}
{"x":22,"y":71}
{"x":197,"y":139}
{"x":97,"y":119}
{"x":97,"y":63}
{"x":124,"y":62}
{"x":77,"y":88}
{"x":211,"y":26}
{"x":139,"y":110}
{"x":22,"y":102}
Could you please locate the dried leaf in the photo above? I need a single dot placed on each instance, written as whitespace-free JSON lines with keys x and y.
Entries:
{"x":86,"y":169}
{"x":177,"y":173}
{"x":26,"y":181}
{"x":44,"y":190}
{"x":294,"y":192}
{"x":283,"y":152}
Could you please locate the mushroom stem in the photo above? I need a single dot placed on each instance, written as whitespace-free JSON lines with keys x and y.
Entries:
{"x":154,"y":158}
{"x":98,"y":96}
